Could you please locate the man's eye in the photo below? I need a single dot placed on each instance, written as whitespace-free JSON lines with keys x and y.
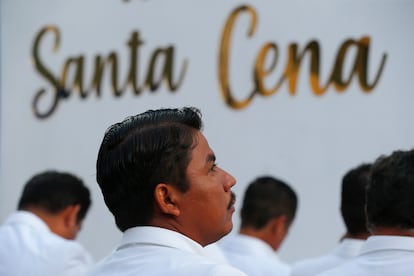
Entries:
{"x":214,"y":167}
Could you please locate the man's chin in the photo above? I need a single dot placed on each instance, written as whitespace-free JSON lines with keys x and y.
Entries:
{"x":228,"y":229}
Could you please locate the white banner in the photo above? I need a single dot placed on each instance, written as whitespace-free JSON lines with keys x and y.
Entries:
{"x":301,"y":90}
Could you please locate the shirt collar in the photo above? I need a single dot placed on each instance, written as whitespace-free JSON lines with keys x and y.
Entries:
{"x":150,"y":235}
{"x":252,"y":245}
{"x":378,"y":243}
{"x":349,"y":247}
{"x":27,"y":218}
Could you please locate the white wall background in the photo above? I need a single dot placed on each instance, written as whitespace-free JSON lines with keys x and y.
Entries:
{"x":306,"y":140}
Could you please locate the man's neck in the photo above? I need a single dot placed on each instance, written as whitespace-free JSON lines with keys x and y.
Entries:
{"x":358,"y":236}
{"x":390,"y":231}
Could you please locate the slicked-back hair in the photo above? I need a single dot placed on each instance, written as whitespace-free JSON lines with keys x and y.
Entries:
{"x":140,"y":152}
{"x":265,"y":199}
{"x":354,"y":185}
{"x":53,"y":191}
{"x":390,"y":193}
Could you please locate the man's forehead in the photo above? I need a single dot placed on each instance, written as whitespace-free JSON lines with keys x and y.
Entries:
{"x":202,"y":149}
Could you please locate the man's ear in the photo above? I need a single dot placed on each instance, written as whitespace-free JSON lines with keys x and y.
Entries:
{"x":166,"y":198}
{"x":279,"y":229}
{"x":71,"y":224}
{"x":280,"y":225}
{"x":70,"y":215}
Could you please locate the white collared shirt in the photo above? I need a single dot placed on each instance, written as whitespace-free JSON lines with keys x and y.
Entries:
{"x":147,"y":250}
{"x":380,"y":256}
{"x":28,"y":247}
{"x":347,"y":249}
{"x":253,"y":256}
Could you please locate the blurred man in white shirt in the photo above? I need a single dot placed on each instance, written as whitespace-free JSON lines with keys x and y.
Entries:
{"x":390,"y":217}
{"x":268,"y":210}
{"x":38,"y":239}
{"x":354,"y":184}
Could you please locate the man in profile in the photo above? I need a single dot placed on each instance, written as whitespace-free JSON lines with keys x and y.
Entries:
{"x":38,"y":239}
{"x":160,"y":180}
{"x":390,"y":219}
{"x":268,"y":210}
{"x":354,"y":184}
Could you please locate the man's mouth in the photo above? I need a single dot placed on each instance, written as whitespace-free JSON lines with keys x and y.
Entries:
{"x":232,"y":201}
